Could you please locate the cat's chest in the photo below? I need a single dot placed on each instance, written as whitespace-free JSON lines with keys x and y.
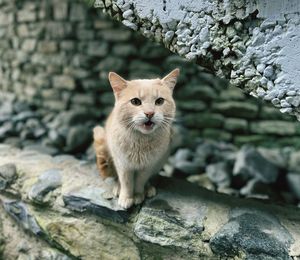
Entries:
{"x":141,"y":152}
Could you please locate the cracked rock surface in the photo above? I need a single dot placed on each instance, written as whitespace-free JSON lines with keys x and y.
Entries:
{"x":76,"y":217}
{"x":254,"y":44}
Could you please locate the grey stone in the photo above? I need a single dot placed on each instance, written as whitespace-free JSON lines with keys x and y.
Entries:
{"x":24,"y":116}
{"x":78,"y":138}
{"x":155,"y":221}
{"x":275,"y":156}
{"x":22,"y":216}
{"x":47,"y":181}
{"x":77,"y":12}
{"x":47,"y":47}
{"x":205,"y":120}
{"x":236,"y":109}
{"x":124,"y":50}
{"x":8,"y":173}
{"x":64,"y":81}
{"x":93,"y":200}
{"x":97,"y":49}
{"x":60,"y":10}
{"x":6,"y":129}
{"x":268,"y":72}
{"x":275,"y":127}
{"x":236,"y":125}
{"x":294,"y":162}
{"x":201,"y":180}
{"x":248,"y":232}
{"x":26,"y":15}
{"x":29,"y":44}
{"x":250,"y":163}
{"x":219,"y":173}
{"x":187,"y":167}
{"x":116,"y":35}
{"x":293,"y":180}
{"x":255,"y":187}
{"x":42,"y":149}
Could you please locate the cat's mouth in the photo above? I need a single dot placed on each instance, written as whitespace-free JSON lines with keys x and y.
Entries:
{"x":148,"y":125}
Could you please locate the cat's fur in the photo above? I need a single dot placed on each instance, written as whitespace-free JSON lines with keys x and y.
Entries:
{"x":129,"y":148}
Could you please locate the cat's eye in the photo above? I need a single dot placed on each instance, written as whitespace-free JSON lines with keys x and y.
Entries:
{"x":136,"y":102}
{"x":159,"y":101}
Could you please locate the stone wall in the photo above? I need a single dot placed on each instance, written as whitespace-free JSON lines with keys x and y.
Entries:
{"x":55,"y":55}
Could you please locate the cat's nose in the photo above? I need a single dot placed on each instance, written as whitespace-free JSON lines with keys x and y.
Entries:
{"x":149,"y":114}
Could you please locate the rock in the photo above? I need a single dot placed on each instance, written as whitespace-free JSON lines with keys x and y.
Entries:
{"x":97,"y":49}
{"x":77,"y":12}
{"x":24,"y":115}
{"x":250,"y":163}
{"x":78,"y":138}
{"x":203,"y":120}
{"x":155,"y":222}
{"x":94,"y":200}
{"x":6,"y":129}
{"x":255,"y":187}
{"x":183,"y":161}
{"x":236,"y":125}
{"x":294,"y":162}
{"x":42,"y":149}
{"x":19,"y":211}
{"x":201,"y":180}
{"x":64,"y":82}
{"x":252,"y":233}
{"x":236,"y":109}
{"x":211,"y":152}
{"x":2,"y":240}
{"x":293,"y":181}
{"x":273,"y":127}
{"x":47,"y":181}
{"x":216,"y":134}
{"x":86,"y":239}
{"x":219,"y":173}
{"x":8,"y":173}
{"x":275,"y":156}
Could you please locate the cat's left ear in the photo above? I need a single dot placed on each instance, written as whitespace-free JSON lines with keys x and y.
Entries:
{"x":117,"y":83}
{"x":171,"y":79}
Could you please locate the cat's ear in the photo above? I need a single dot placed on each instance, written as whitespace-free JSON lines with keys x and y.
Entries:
{"x":117,"y":83}
{"x":171,"y":79}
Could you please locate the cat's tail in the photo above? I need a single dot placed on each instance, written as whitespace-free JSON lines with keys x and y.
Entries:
{"x":104,"y":160}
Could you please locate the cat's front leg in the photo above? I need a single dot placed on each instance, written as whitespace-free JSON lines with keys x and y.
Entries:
{"x":126,"y":179}
{"x":141,"y":179}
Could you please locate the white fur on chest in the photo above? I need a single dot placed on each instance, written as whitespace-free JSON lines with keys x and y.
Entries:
{"x":138,"y":153}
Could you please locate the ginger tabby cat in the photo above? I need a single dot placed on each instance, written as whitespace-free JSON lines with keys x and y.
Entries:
{"x":135,"y":141}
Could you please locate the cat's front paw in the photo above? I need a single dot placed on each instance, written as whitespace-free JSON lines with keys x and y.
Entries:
{"x":139,"y":198}
{"x":150,"y":191}
{"x":116,"y":190}
{"x":125,"y":202}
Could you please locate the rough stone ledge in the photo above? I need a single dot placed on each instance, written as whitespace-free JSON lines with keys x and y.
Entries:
{"x":182,"y":220}
{"x":254,"y":44}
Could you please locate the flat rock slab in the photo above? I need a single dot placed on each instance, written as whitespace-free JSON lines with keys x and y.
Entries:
{"x":93,"y":200}
{"x":182,"y":221}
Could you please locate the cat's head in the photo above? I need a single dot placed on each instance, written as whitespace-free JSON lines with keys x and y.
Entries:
{"x":144,"y":105}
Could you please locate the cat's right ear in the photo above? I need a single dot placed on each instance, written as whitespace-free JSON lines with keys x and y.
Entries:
{"x":117,"y":83}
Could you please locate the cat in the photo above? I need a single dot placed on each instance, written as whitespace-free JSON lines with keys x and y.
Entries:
{"x":134,"y":144}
